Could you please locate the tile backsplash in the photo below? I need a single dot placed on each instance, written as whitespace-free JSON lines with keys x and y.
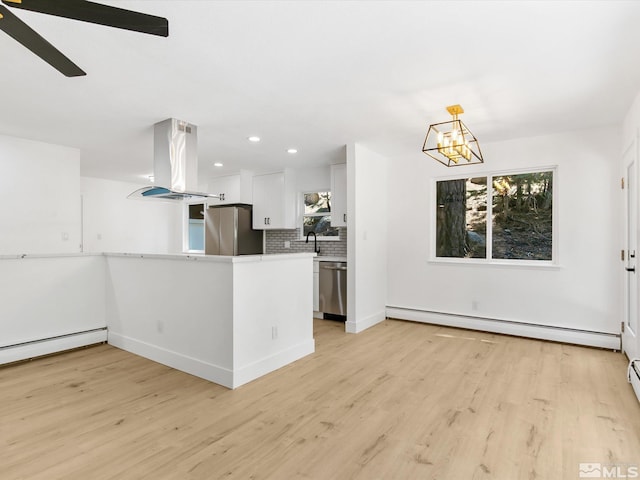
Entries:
{"x":274,"y":243}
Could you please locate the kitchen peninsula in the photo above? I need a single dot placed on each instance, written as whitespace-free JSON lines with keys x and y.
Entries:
{"x":226,"y":319}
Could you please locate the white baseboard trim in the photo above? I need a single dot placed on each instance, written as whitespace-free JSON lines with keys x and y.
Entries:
{"x":364,"y":323}
{"x":193,"y":366}
{"x":520,"y":329}
{"x":47,"y":346}
{"x":247,"y":373}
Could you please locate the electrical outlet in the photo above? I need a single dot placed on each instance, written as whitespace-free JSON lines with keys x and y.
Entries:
{"x":287,"y":244}
{"x":274,"y":332}
{"x":65,"y":236}
{"x":474,"y":305}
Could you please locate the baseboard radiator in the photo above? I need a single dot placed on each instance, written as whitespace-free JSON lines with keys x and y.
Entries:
{"x":633,"y":374}
{"x":508,"y":327}
{"x":47,"y":346}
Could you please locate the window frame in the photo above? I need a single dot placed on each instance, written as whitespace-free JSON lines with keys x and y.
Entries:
{"x":186,"y":223}
{"x":302,"y":216}
{"x":489,"y":261}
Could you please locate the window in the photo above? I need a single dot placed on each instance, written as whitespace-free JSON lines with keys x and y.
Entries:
{"x":316,"y":215}
{"x":507,"y":216}
{"x":195,"y":230}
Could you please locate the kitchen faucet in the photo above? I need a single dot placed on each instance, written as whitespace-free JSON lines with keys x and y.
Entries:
{"x":315,"y":242}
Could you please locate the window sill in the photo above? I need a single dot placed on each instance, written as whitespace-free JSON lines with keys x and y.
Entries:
{"x":320,"y":239}
{"x":478,"y":262}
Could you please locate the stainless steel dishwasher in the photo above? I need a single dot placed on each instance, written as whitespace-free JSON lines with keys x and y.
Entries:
{"x":333,"y":288}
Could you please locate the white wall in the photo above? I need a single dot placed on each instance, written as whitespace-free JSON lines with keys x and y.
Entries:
{"x":39,"y":197}
{"x":114,"y":223}
{"x":367,"y":249}
{"x":584,"y":292}
{"x":45,"y":297}
{"x":41,"y":207}
{"x":631,"y":122}
{"x":313,"y":179}
{"x":50,"y":303}
{"x":173,"y":311}
{"x":272,"y":314}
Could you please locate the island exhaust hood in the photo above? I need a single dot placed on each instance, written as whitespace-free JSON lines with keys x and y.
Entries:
{"x":175,"y":163}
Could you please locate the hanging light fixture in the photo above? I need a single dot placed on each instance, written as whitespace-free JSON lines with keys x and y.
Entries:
{"x":451,"y":143}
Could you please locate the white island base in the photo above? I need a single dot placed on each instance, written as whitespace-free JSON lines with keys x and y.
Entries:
{"x":229,"y":320}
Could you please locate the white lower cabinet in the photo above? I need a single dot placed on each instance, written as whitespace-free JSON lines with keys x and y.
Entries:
{"x":316,"y":286}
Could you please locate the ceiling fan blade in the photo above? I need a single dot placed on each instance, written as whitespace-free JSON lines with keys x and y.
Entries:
{"x":21,"y":32}
{"x":92,"y":12}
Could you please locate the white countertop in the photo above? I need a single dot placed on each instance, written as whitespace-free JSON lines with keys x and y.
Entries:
{"x":168,"y":256}
{"x":215,"y":258}
{"x":21,"y":256}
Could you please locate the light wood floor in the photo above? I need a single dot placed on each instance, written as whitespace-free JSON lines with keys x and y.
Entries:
{"x":398,"y":401}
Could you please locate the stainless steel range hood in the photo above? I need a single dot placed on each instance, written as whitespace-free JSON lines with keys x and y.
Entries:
{"x":175,"y":163}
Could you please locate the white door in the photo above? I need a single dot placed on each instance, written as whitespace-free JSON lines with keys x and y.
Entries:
{"x":630,"y":333}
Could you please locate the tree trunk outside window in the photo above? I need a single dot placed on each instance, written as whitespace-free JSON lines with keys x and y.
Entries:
{"x":451,"y":225}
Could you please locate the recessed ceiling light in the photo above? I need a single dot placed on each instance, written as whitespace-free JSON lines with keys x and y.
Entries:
{"x":254,"y":139}
{"x":292,"y":150}
{"x":217,"y":164}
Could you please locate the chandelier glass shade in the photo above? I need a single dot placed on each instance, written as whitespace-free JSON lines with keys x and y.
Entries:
{"x":452,"y":143}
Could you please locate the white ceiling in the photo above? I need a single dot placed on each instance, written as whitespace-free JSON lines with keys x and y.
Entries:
{"x":316,"y":75}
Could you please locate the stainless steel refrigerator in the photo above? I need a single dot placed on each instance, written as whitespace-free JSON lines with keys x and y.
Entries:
{"x":228,"y":231}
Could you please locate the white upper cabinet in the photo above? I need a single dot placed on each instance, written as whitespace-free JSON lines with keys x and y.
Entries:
{"x":339,"y":195}
{"x":274,"y":201}
{"x":228,"y":186}
{"x":235,"y":188}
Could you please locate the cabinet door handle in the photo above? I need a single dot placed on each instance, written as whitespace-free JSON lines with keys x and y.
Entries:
{"x":344,"y":217}
{"x":632,"y":269}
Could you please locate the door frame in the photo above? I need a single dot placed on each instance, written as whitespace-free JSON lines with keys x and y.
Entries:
{"x":629,"y":335}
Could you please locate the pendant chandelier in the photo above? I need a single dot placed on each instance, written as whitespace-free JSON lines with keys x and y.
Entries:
{"x":451,"y":143}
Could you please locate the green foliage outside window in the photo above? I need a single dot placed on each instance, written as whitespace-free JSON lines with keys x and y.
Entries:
{"x":317,"y":215}
{"x":521,"y":212}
